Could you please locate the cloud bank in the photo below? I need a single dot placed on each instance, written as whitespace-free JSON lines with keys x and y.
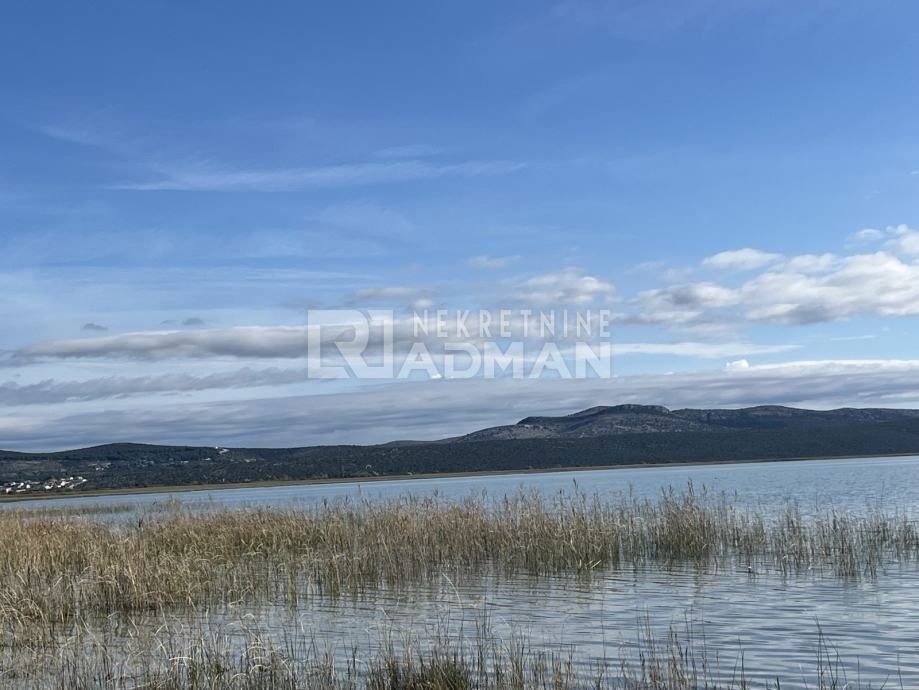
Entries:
{"x":427,"y":410}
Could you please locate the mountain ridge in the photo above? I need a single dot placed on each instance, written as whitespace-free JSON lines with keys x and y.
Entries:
{"x":594,"y":437}
{"x":634,"y":418}
{"x":599,"y":420}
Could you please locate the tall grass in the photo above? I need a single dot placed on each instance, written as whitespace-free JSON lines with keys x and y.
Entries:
{"x":204,"y":659}
{"x":54,"y":569}
{"x":71,"y":589}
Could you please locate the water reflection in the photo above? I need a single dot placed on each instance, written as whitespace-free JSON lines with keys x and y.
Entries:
{"x":856,"y":485}
{"x":769,"y":620}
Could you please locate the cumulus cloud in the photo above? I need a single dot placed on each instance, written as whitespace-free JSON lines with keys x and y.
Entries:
{"x":865,"y":236}
{"x":741,"y":259}
{"x":570,"y":286}
{"x":94,"y":328}
{"x":811,"y":263}
{"x":878,"y":284}
{"x":904,"y":240}
{"x":687,"y":305}
{"x":689,"y":297}
{"x":802,"y":289}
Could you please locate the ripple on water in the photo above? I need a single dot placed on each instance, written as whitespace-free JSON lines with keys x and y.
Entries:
{"x":776,"y":621}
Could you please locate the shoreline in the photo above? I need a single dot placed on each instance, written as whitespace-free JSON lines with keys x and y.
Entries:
{"x":267,"y":484}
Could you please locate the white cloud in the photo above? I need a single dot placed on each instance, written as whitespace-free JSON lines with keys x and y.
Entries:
{"x":242,"y":342}
{"x":681,"y":304}
{"x":409,"y":151}
{"x":570,"y":286}
{"x":808,"y":288}
{"x":847,"y":338}
{"x":387,"y":294}
{"x":437,"y":409}
{"x":878,"y":284}
{"x":492,"y":262}
{"x":652,"y":19}
{"x":74,"y":135}
{"x":52,"y":391}
{"x":94,"y":328}
{"x":865,"y":236}
{"x":811,"y":263}
{"x":700,"y":350}
{"x":265,"y":342}
{"x":741,"y":259}
{"x":56,"y":391}
{"x":905,"y":241}
{"x":198,"y":178}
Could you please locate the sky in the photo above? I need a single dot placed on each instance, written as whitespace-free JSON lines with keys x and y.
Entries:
{"x":736,"y":181}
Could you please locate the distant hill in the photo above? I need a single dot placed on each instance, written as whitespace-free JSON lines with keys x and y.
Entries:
{"x":599,"y":436}
{"x":634,"y":419}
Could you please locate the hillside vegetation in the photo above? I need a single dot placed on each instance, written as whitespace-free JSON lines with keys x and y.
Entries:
{"x":625,"y":435}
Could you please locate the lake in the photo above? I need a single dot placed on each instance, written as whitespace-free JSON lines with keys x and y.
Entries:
{"x":768,"y":619}
{"x":856,"y":485}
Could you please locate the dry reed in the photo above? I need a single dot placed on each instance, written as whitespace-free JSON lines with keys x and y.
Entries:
{"x":55,"y":569}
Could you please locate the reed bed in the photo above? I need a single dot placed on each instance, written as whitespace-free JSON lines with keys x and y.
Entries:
{"x":54,"y":569}
{"x":208,"y":659}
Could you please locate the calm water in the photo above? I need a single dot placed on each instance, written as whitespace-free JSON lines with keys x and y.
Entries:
{"x":815,"y":485}
{"x":773,"y":620}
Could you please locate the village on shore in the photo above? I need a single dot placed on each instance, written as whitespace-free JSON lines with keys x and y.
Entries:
{"x":46,"y":486}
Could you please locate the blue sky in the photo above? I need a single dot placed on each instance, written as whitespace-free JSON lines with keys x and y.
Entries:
{"x":738,"y":181}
